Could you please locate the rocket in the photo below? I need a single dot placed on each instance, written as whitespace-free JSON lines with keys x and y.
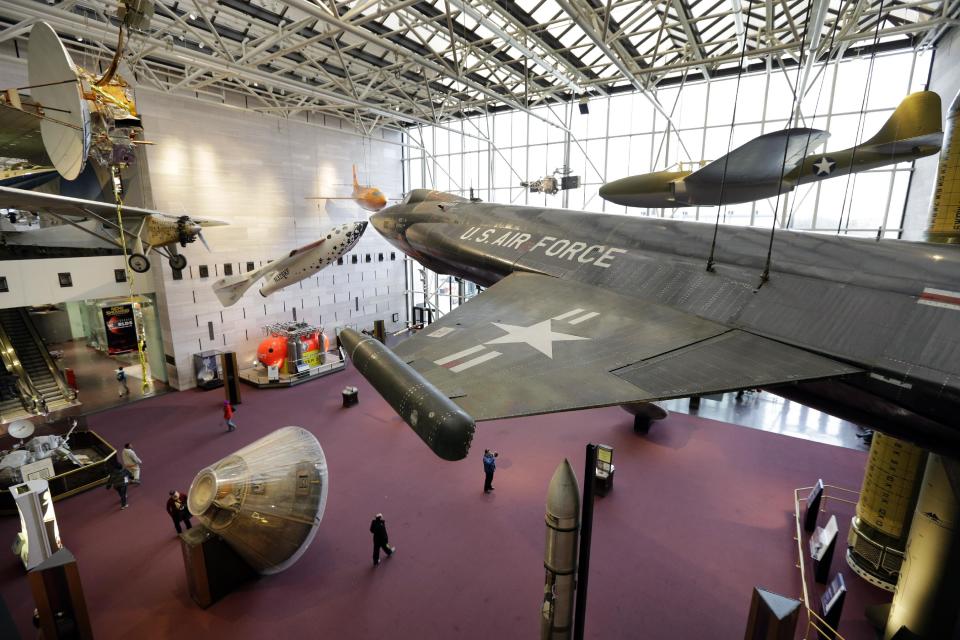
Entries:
{"x":560,"y":557}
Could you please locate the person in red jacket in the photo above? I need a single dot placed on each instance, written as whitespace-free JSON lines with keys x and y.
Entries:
{"x":177,"y":508}
{"x":228,"y":415}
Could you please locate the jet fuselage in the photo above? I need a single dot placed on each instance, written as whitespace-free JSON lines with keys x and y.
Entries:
{"x":891,"y":308}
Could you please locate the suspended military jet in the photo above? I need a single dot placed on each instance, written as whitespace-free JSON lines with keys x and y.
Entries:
{"x":144,"y":230}
{"x":298,"y":264}
{"x":588,"y":310}
{"x":780,"y":161}
{"x":369,"y":198}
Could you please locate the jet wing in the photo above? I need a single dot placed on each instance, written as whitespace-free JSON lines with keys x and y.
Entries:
{"x":57,"y":205}
{"x":538,"y":344}
{"x":760,"y":163}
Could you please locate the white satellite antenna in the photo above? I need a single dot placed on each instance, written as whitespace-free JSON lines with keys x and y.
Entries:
{"x":20,"y":429}
{"x":55,"y":85}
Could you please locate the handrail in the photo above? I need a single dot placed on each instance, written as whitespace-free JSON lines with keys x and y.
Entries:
{"x":65,"y":391}
{"x":12,"y":364}
{"x":813,"y":619}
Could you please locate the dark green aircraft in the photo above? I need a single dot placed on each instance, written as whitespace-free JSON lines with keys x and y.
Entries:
{"x":777,"y":162}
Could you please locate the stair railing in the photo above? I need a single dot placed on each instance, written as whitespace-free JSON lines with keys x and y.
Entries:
{"x":65,"y":391}
{"x":12,"y":364}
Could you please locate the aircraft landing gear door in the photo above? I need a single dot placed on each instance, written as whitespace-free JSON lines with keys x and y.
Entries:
{"x":604,"y":469}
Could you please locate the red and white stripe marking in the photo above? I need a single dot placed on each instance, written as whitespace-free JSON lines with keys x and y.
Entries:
{"x":940,"y":298}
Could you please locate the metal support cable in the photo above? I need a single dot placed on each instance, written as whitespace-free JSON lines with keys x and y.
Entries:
{"x":726,"y":159}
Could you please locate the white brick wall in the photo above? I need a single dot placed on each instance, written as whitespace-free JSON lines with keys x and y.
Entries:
{"x":255,"y":171}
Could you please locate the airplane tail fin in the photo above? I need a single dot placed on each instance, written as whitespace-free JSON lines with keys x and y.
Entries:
{"x":916,"y":121}
{"x":231,"y":289}
{"x":356,"y":183}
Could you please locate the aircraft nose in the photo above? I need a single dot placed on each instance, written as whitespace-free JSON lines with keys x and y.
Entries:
{"x":379,"y":220}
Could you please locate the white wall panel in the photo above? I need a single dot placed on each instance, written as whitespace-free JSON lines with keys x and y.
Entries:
{"x":255,"y":172}
{"x":34,"y":282}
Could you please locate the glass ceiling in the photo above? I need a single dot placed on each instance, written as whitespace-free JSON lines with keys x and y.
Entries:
{"x":400,"y":62}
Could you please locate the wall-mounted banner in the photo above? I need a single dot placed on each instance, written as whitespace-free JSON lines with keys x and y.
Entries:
{"x":121,"y":330}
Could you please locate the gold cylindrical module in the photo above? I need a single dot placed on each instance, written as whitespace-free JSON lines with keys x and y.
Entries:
{"x":927,"y":594}
{"x":878,"y":534}
{"x":267,"y":499}
{"x":945,"y":206}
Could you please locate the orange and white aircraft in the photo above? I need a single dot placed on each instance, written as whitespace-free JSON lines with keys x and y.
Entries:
{"x":368,"y":197}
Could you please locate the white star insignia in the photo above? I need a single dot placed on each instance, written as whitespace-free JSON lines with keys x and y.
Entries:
{"x":540,"y":336}
{"x":824,"y":166}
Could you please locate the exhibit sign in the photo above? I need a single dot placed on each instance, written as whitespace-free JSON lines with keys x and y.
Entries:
{"x":39,"y":470}
{"x":121,"y":328}
{"x":822,"y":538}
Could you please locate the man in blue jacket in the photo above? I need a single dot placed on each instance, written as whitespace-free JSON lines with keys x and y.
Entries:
{"x":489,"y":466}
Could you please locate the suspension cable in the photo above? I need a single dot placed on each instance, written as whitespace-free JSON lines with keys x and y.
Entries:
{"x":816,"y":106}
{"x":793,"y":111}
{"x":726,"y":158}
{"x":861,"y":119}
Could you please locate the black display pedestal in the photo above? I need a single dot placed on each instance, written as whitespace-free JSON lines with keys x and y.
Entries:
{"x":821,"y":567}
{"x":58,"y":594}
{"x":831,"y":606}
{"x":813,"y":507}
{"x":641,"y":424}
{"x":213,"y":568}
{"x":350,"y":396}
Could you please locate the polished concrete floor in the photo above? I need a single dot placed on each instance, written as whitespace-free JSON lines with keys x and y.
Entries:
{"x":768,"y":412}
{"x":97,"y":377}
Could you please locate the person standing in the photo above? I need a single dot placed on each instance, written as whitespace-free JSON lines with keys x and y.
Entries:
{"x":379,"y":530}
{"x":177,"y":508}
{"x":228,"y":415}
{"x":131,"y":462}
{"x":118,"y":479}
{"x":122,"y":382}
{"x":489,"y":467}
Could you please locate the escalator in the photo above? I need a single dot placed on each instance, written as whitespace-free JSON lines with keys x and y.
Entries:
{"x":40,"y":384}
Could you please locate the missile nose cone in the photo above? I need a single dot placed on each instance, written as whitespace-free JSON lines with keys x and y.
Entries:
{"x":563,"y":494}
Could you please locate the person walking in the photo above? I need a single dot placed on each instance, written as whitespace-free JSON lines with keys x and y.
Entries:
{"x":131,"y":462}
{"x":118,"y":479}
{"x":228,"y":415}
{"x":489,"y":467}
{"x":379,"y":530}
{"x":177,"y":508}
{"x":122,"y":382}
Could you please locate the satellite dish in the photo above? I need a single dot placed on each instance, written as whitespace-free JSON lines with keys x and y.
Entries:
{"x":20,"y":429}
{"x":65,"y":127}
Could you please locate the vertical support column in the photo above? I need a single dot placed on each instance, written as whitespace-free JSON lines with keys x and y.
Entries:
{"x":925,"y":601}
{"x":586,"y":537}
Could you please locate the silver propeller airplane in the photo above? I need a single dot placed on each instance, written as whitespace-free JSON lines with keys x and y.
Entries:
{"x":589,"y":310}
{"x":147,"y":230}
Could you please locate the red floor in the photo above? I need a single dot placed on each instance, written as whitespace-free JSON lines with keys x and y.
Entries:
{"x":701,"y":512}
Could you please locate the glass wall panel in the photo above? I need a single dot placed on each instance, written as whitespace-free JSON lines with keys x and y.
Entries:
{"x":625,"y":135}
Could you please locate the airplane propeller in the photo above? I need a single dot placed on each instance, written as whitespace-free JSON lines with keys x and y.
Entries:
{"x":204,"y":241}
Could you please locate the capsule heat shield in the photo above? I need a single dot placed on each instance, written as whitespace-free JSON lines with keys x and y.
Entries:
{"x":267,"y":499}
